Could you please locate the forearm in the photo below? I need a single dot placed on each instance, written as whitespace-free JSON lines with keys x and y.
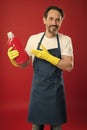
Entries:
{"x":66,"y":64}
{"x":24,"y":65}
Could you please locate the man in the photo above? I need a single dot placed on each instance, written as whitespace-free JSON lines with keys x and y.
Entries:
{"x":51,"y":52}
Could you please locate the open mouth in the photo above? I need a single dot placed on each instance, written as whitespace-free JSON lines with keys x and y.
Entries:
{"x":54,"y":28}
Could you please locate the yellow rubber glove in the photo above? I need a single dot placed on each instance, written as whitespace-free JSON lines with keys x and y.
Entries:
{"x":12,"y":54}
{"x":44,"y":54}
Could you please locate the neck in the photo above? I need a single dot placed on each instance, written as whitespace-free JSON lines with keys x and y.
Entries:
{"x":50,"y":35}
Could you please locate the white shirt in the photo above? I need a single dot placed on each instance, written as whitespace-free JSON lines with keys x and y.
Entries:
{"x":50,"y":43}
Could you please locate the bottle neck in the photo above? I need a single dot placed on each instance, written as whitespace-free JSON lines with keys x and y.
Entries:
{"x":10,"y":35}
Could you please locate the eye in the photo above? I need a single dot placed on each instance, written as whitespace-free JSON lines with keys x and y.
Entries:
{"x":58,"y":20}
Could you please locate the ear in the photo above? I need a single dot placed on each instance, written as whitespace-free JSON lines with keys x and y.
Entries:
{"x":44,"y":20}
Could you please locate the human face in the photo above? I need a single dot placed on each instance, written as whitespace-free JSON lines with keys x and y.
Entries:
{"x":53,"y":22}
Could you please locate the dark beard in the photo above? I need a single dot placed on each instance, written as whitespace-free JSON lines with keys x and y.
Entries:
{"x":53,"y":30}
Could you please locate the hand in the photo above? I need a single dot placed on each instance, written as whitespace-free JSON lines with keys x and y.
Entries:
{"x":12,"y":54}
{"x":44,"y":54}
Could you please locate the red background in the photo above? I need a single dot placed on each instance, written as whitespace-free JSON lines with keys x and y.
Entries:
{"x":24,"y":18}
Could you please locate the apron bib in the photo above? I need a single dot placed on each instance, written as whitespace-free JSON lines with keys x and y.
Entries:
{"x":47,"y":102}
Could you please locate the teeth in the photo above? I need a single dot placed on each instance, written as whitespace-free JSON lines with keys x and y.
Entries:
{"x":54,"y":28}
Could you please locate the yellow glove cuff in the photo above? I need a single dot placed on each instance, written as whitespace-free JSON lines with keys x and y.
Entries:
{"x":14,"y":63}
{"x":53,"y":60}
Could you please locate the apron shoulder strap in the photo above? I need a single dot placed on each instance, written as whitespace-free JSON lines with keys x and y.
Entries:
{"x":59,"y":46}
{"x":40,"y":41}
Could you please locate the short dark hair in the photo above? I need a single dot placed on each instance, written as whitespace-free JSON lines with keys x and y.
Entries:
{"x":53,"y":8}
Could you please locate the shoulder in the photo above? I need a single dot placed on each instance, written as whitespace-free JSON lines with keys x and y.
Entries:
{"x":65,"y":45}
{"x":64,"y":37}
{"x":33,"y":40}
{"x":36,"y":36}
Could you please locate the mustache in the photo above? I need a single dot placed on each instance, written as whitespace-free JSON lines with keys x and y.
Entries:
{"x":54,"y":26}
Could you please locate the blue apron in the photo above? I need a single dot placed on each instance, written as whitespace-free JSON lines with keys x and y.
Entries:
{"x":47,"y":102}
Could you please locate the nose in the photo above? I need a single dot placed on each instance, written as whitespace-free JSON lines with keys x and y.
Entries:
{"x":54,"y":22}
